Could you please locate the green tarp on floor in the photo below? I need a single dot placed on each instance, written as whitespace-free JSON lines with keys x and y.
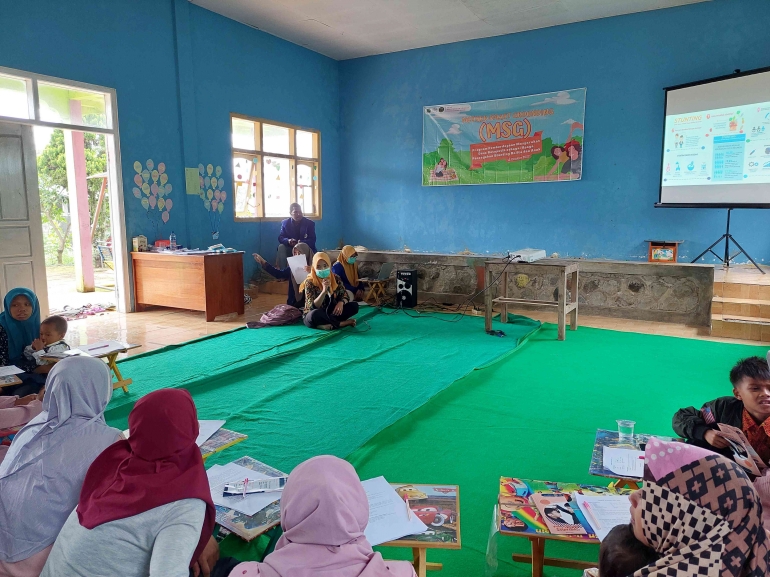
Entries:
{"x":535,"y":414}
{"x":327,"y":396}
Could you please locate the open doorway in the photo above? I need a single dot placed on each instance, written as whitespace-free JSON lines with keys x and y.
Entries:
{"x":63,"y":161}
{"x":80,"y":272}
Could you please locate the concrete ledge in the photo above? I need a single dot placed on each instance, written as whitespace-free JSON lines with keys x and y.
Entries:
{"x":679,"y":293}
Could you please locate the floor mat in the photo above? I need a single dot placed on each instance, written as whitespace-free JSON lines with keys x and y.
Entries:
{"x":535,"y":414}
{"x":323,"y":395}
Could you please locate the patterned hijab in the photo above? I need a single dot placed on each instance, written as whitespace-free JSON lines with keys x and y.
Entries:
{"x":351,"y":270}
{"x":701,"y":513}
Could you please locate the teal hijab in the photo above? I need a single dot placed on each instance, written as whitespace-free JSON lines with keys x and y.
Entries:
{"x":20,"y":333}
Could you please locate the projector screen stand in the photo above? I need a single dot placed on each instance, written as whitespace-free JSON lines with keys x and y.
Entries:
{"x":727,"y":237}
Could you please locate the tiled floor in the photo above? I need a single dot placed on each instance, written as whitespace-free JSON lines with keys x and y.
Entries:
{"x":61,"y":288}
{"x":160,"y":326}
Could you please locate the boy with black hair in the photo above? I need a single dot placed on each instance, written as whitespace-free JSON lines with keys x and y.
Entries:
{"x":748,"y":409}
{"x":622,"y":554}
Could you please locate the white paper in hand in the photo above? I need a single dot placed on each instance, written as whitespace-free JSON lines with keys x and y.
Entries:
{"x":297,"y":265}
{"x":388,"y":517}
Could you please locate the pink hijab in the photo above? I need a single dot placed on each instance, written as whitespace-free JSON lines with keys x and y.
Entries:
{"x":324,"y":512}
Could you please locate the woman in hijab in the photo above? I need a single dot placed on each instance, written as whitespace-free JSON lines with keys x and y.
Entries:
{"x":347,"y":269}
{"x":700,"y":513}
{"x":145,"y":507}
{"x":295,"y":298}
{"x":43,"y":471}
{"x":327,"y":305}
{"x":324,"y":512}
{"x":19,"y":326}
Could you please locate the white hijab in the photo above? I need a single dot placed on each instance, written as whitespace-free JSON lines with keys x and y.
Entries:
{"x":42,"y":473}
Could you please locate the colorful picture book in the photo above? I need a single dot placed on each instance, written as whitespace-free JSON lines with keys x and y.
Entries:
{"x":438,"y":507}
{"x":249,"y":527}
{"x":221,"y":440}
{"x":558,"y":514}
{"x":7,"y":435}
{"x":519,"y":513}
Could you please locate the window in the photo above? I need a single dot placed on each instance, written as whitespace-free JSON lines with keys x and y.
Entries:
{"x":274,"y":165}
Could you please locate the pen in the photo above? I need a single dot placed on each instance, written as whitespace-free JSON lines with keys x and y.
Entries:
{"x":97,"y":348}
{"x":591,"y":514}
{"x":245,"y":485}
{"x":408,"y":508}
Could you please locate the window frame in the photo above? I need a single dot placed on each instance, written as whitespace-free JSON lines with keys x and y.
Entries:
{"x":293,"y":158}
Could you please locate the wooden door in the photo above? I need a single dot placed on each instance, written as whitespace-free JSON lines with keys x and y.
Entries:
{"x":22,"y":258}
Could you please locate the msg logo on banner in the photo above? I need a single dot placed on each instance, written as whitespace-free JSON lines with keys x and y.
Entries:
{"x":535,"y":138}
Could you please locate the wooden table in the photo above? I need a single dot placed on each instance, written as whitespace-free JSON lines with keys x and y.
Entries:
{"x":531,"y":526}
{"x":9,"y":381}
{"x":376,"y":290}
{"x":444,"y":526}
{"x":110,"y":358}
{"x":211,"y":282}
{"x":564,"y":307}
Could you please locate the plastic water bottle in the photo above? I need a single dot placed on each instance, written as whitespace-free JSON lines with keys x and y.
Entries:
{"x":172,"y":241}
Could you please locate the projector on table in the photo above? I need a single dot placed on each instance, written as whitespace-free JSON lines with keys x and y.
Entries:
{"x":527,"y":255}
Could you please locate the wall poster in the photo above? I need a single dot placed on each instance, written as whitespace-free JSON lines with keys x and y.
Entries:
{"x":535,"y":138}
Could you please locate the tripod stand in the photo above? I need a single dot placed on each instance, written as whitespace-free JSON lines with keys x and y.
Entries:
{"x":727,"y":237}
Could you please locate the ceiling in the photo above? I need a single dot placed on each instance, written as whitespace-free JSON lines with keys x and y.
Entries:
{"x":345,"y":29}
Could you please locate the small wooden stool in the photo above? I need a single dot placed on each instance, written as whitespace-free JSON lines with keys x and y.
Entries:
{"x":376,"y":291}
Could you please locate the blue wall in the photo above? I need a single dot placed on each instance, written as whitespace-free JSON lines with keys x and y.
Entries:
{"x":131,"y":45}
{"x":239,"y":69}
{"x":625,"y":62}
{"x":122,"y":44}
{"x":369,"y":112}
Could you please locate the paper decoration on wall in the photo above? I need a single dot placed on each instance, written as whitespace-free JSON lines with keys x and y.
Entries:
{"x":211,"y":184}
{"x":152,"y":189}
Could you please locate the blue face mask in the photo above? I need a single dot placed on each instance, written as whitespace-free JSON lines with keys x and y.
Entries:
{"x":352,"y":260}
{"x":323,"y":273}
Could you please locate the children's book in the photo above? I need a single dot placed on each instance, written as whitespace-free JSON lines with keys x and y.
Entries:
{"x":249,"y":527}
{"x":7,"y":435}
{"x":221,"y":440}
{"x":519,"y":514}
{"x":558,"y":514}
{"x":743,"y":453}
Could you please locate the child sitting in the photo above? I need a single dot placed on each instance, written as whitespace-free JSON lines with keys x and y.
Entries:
{"x":748,"y":409}
{"x":51,"y":340}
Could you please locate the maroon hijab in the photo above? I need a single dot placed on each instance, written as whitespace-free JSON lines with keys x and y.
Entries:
{"x":159,"y":464}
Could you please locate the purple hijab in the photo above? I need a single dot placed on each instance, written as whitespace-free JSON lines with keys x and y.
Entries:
{"x":324,"y":512}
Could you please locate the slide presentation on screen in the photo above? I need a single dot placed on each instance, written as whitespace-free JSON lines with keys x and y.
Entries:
{"x":717,"y":147}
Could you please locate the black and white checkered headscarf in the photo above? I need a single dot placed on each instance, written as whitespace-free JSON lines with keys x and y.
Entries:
{"x":704,"y":518}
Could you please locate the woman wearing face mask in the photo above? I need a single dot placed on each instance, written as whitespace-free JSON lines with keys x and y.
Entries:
{"x":347,"y":269}
{"x":327,"y":305}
